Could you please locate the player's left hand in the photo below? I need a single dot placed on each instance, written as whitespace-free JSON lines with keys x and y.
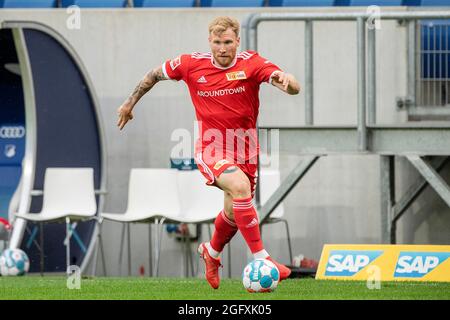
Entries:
{"x":285,"y":82}
{"x":282,"y":78}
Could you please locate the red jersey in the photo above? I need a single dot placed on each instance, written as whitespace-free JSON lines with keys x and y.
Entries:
{"x":226,"y":101}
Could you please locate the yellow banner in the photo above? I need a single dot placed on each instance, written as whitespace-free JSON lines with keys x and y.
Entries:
{"x":385,"y":262}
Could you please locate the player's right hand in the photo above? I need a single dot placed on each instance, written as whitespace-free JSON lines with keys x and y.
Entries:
{"x":125,"y":114}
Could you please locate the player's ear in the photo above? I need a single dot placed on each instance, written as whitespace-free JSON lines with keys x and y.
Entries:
{"x":238,"y":40}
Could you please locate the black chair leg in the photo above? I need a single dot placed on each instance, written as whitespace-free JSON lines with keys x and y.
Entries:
{"x":288,"y":239}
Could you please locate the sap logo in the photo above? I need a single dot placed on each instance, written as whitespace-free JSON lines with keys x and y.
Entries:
{"x":418,"y":264}
{"x":348,"y":262}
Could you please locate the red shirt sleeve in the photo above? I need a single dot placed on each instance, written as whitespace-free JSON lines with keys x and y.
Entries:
{"x":177,"y":68}
{"x":264,"y":69}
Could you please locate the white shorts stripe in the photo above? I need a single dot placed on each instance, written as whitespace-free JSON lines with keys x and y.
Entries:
{"x":239,"y":204}
{"x":205,"y":167}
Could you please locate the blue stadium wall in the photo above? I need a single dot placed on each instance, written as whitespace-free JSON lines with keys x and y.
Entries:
{"x":12,"y":122}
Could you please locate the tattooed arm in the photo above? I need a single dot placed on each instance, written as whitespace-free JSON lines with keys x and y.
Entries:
{"x":150,"y":79}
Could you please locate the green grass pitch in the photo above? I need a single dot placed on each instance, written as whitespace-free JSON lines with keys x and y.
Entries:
{"x":49,"y":288}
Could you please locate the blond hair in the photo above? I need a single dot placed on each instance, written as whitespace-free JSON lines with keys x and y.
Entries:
{"x":221,"y":24}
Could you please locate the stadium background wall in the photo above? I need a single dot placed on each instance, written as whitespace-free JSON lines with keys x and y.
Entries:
{"x":338,"y":200}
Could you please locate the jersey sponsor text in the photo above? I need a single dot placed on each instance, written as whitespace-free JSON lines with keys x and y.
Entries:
{"x":222,"y":92}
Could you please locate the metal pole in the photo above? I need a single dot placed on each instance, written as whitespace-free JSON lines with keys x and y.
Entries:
{"x":129,"y":249}
{"x":433,"y":178}
{"x":99,"y":247}
{"x":67,"y":245}
{"x":122,"y":245}
{"x":150,"y":251}
{"x":95,"y":253}
{"x":41,"y":236}
{"x":252,"y":39}
{"x":387,"y":197}
{"x":446,"y":99}
{"x":344,"y":16}
{"x":372,"y":75}
{"x":103,"y":253}
{"x":309,"y":70}
{"x":186,"y":253}
{"x":288,"y":184}
{"x":361,"y":57}
{"x":229,"y":259}
{"x":412,"y":63}
{"x":159,"y":224}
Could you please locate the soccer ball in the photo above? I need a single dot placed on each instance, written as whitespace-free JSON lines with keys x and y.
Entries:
{"x":260,"y":275}
{"x":14,"y":262}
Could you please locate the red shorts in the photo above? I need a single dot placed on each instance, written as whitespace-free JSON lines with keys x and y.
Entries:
{"x":214,"y":170}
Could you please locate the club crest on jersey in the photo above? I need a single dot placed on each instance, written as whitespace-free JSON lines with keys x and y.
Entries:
{"x":220,"y":163}
{"x":175,"y":62}
{"x":237,"y":75}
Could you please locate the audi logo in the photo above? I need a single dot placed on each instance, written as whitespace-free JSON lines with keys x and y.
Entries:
{"x":12,"y":132}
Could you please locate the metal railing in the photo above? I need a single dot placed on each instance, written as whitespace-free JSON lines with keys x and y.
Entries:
{"x":366,"y":81}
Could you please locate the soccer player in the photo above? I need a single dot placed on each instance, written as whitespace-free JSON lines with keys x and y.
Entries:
{"x":224,"y":87}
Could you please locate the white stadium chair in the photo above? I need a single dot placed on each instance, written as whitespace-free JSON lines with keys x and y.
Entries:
{"x":166,"y":196}
{"x":152,"y":195}
{"x":200,"y":204}
{"x":68,"y":195}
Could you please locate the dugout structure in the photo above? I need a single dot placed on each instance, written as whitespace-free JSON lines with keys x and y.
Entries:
{"x":62,"y":128}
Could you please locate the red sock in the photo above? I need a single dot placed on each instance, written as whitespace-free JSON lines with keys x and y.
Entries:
{"x":225,"y":229}
{"x":247,"y":223}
